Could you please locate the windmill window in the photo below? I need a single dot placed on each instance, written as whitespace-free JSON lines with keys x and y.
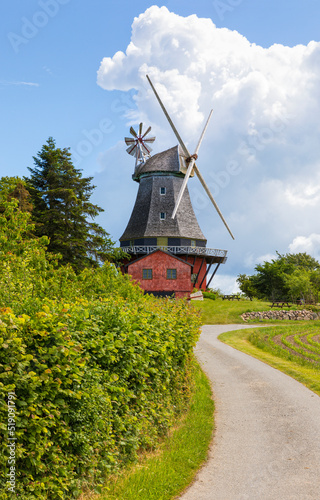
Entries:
{"x":163,"y":190}
{"x":147,"y":274}
{"x":171,"y":274}
{"x":193,"y":243}
{"x":163,"y":215}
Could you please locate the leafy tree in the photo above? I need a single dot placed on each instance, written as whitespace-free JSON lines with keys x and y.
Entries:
{"x":14,"y":234}
{"x":63,"y":211}
{"x":290,"y":276}
{"x":246,"y":285}
{"x":7,"y":185}
{"x":300,"y":260}
{"x":14,"y":187}
{"x":22,"y":256}
{"x":30,"y":274}
{"x":270,"y":280}
{"x":21,"y":194}
{"x":300,"y":286}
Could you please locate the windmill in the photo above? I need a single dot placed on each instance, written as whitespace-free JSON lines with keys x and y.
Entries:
{"x":190,"y":160}
{"x":139,"y":144}
{"x":168,"y":252}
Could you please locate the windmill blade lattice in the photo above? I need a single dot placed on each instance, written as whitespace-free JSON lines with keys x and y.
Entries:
{"x":139,"y":144}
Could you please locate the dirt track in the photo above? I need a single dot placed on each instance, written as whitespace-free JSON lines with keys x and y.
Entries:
{"x":267,"y":440}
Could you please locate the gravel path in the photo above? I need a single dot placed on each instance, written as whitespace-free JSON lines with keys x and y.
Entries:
{"x":267,"y":439}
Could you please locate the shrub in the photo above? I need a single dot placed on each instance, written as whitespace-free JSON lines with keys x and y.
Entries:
{"x":90,"y":376}
{"x":94,"y":383}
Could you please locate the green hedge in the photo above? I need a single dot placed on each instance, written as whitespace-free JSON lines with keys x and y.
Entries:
{"x":84,"y":384}
{"x":93,"y":383}
{"x":209,"y":295}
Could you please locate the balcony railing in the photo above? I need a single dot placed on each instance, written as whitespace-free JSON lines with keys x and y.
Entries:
{"x":182,"y":250}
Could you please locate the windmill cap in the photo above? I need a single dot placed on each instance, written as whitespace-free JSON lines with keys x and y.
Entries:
{"x":171,"y":161}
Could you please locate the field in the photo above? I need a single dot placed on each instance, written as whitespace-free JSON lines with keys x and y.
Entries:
{"x":298,"y":343}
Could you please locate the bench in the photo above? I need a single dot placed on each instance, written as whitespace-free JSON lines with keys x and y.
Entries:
{"x":231,"y":297}
{"x":280,"y":303}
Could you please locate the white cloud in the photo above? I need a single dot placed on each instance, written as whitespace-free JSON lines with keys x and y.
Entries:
{"x":28,"y":84}
{"x":303,"y":195}
{"x":266,"y":258}
{"x":226,"y":283}
{"x":266,"y":106}
{"x":308,"y":244}
{"x":251,"y":260}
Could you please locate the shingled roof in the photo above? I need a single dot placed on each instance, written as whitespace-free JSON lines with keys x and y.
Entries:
{"x":161,"y":171}
{"x":171,"y":161}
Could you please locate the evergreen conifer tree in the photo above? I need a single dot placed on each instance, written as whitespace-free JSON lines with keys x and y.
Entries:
{"x":62,"y":209}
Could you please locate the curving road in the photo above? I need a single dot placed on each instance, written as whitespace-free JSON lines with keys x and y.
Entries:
{"x":267,"y":440}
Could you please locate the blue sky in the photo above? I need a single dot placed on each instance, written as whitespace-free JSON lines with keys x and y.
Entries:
{"x":51,"y":51}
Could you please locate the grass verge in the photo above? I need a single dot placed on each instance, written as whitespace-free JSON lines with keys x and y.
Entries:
{"x":309,"y":376}
{"x":224,"y":312}
{"x":167,"y":472}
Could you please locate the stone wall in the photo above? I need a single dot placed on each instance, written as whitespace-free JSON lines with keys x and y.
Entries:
{"x":291,"y":315}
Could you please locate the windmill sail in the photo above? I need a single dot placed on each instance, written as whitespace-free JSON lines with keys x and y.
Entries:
{"x":191,"y":159}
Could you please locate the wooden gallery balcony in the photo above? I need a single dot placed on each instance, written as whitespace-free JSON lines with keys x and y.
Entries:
{"x":211,"y":255}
